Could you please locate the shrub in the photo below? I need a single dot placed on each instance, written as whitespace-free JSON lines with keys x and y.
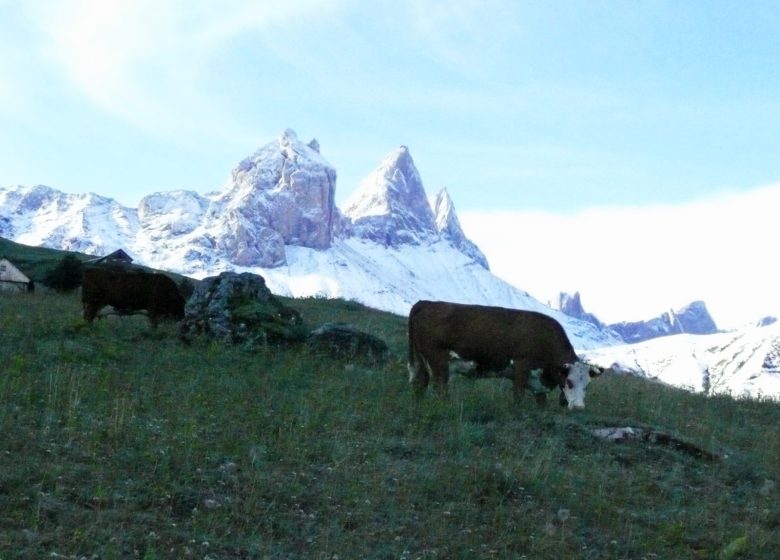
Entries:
{"x":65,"y":276}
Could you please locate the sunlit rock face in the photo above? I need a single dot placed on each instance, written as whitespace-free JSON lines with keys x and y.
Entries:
{"x":390,"y":206}
{"x":448,"y":226}
{"x":281,"y":195}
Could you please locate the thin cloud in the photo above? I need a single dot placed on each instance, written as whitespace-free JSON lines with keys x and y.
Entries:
{"x":463,"y":34}
{"x":152,"y":63}
{"x":632,"y":263}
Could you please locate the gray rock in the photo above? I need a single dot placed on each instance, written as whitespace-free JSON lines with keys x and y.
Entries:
{"x":239,"y":308}
{"x":344,"y":341}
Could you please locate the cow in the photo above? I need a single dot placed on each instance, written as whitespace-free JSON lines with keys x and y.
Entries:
{"x":129,"y":289}
{"x":528,"y":347}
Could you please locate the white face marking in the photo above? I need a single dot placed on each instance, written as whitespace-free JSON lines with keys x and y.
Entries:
{"x":576,"y":382}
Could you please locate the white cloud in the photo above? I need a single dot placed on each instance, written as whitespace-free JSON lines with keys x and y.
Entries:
{"x":632,"y":263}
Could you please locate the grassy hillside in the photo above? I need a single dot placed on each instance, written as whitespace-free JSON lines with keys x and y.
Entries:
{"x":35,"y":262}
{"x":117,"y":441}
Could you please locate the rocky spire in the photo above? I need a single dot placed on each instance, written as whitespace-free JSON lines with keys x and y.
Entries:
{"x":448,"y":226}
{"x":572,"y":306}
{"x":281,"y":195}
{"x":390,"y":205}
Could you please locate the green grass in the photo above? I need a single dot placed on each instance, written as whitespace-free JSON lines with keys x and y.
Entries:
{"x":118,"y":441}
{"x":34,"y":262}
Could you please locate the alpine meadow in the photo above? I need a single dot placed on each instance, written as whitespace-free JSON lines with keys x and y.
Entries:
{"x":119,"y":441}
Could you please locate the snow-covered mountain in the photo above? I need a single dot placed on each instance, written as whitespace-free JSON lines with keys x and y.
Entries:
{"x":392,"y":245}
{"x":684,"y":348}
{"x":276,"y":216}
{"x":739,"y":363}
{"x":693,"y":318}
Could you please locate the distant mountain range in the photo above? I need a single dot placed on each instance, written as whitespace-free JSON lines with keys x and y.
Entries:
{"x":684,"y":348}
{"x":694,"y":318}
{"x":745,"y":362}
{"x":276,"y":216}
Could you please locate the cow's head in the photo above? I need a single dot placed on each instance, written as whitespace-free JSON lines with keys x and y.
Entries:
{"x":575,"y":380}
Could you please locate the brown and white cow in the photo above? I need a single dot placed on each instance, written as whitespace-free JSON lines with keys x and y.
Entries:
{"x":130,"y":289}
{"x":529,"y":348}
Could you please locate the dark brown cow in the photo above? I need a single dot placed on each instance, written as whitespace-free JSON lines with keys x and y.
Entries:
{"x":129,"y":289}
{"x":529,"y":348}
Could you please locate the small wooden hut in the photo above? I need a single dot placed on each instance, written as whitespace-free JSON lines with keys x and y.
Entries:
{"x":12,"y":279}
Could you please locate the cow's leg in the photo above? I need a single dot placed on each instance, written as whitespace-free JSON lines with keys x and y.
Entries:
{"x":89,"y":312}
{"x":418,"y":376}
{"x":439,"y":368}
{"x":519,"y":379}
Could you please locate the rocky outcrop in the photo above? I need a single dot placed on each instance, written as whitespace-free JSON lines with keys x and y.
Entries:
{"x":448,"y":226}
{"x":239,"y":308}
{"x":572,"y":306}
{"x":692,"y":319}
{"x":344,"y":342}
{"x":281,"y":195}
{"x":390,"y":206}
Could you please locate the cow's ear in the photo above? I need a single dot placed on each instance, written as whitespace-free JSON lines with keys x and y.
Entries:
{"x":595,"y":371}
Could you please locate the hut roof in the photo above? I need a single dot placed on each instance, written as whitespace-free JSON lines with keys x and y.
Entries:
{"x":118,"y":255}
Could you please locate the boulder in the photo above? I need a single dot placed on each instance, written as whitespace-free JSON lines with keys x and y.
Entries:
{"x":344,"y":341}
{"x":239,"y":308}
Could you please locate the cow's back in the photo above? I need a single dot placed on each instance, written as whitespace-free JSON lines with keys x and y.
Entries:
{"x":129,"y":289}
{"x":120,"y":287}
{"x":491,"y":336}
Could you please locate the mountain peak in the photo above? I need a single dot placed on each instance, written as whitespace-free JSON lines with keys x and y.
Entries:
{"x":693,"y":318}
{"x":448,"y":226}
{"x":287,"y":137}
{"x":283,"y":194}
{"x":390,"y":205}
{"x":572,"y":306}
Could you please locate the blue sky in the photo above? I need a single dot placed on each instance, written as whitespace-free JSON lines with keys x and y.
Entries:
{"x":548,"y":108}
